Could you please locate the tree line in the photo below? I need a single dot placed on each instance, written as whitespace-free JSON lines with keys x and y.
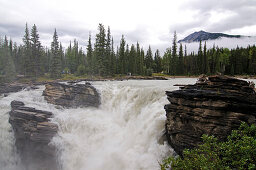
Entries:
{"x":33,"y":60}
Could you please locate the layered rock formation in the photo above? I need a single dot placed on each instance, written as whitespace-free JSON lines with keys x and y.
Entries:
{"x":215,"y":105}
{"x":9,"y":88}
{"x":33,"y":133}
{"x":79,"y":95}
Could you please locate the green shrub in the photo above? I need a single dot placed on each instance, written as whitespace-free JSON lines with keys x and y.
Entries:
{"x":81,"y":70}
{"x":238,"y":152}
{"x":149,"y":72}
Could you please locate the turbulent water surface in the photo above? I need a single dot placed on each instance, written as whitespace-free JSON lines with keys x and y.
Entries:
{"x":123,"y":133}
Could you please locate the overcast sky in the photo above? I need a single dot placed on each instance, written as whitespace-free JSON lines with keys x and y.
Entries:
{"x":146,"y":21}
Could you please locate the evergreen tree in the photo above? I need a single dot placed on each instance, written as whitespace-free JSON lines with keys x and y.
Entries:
{"x":173,"y":58}
{"x":69,"y":58}
{"x":205,"y":60}
{"x":121,"y":56}
{"x":62,"y":57}
{"x":113,"y":59}
{"x":253,"y":61}
{"x":157,"y":62}
{"x":186,"y":61}
{"x":100,"y":50}
{"x":149,"y":59}
{"x":142,"y":58}
{"x":27,"y":53}
{"x":126,"y":59}
{"x":199,"y":63}
{"x":132,"y":60}
{"x":181,"y":61}
{"x":90,"y":57}
{"x":7,"y":69}
{"x":138,"y":60}
{"x":35,"y":59}
{"x":107,"y":60}
{"x":56,"y":58}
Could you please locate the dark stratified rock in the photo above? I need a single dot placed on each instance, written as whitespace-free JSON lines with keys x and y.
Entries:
{"x":215,"y":105}
{"x":33,"y":132}
{"x":79,"y":95}
{"x":10,"y":88}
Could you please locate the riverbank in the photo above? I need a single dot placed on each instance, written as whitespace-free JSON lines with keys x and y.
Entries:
{"x":21,"y":83}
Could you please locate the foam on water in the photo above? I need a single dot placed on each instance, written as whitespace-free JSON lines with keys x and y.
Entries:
{"x":123,"y":133}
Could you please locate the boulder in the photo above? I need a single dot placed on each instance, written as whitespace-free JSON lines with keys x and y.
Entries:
{"x":33,"y":132}
{"x":214,"y":105}
{"x":78,"y":95}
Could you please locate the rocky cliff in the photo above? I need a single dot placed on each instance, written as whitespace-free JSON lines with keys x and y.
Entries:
{"x":215,"y":105}
{"x":33,"y":132}
{"x":79,"y":95}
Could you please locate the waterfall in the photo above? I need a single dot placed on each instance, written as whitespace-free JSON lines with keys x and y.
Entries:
{"x":123,"y":133}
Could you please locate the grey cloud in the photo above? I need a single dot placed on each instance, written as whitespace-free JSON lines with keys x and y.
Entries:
{"x":140,"y":34}
{"x":204,"y":6}
{"x":200,"y":21}
{"x":11,"y":29}
{"x":245,"y":11}
{"x":245,"y":17}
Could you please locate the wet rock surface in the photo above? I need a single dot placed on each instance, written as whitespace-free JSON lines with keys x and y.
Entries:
{"x":9,"y":88}
{"x":78,"y":95}
{"x":33,"y":132}
{"x":215,"y":105}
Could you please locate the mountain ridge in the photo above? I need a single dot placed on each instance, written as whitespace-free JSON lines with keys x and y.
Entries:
{"x":204,"y":36}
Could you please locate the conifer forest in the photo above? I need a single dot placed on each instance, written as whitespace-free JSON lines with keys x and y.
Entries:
{"x":106,"y":59}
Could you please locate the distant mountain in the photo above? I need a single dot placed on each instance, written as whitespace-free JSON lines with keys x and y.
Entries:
{"x":203,"y":36}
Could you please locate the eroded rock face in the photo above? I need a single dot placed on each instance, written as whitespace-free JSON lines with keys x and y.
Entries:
{"x":33,"y":132}
{"x":9,"y":88}
{"x":215,"y":105}
{"x":79,"y":95}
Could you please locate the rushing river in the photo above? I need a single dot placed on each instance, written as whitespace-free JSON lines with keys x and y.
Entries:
{"x":123,"y":133}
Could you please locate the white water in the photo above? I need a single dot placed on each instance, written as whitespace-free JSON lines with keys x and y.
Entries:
{"x":122,"y":134}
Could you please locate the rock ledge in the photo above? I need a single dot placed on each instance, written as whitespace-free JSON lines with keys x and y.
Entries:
{"x":79,"y":95}
{"x":33,"y":133}
{"x":215,"y":105}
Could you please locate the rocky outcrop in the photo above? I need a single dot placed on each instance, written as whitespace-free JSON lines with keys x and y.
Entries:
{"x":79,"y":95}
{"x":33,"y":132}
{"x":9,"y":88}
{"x":215,"y":105}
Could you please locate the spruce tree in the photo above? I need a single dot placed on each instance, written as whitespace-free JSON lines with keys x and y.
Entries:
{"x":107,"y":60}
{"x":157,"y":62}
{"x":138,"y":60}
{"x":200,"y":59}
{"x":90,"y":63}
{"x":142,"y":59}
{"x":126,"y":59}
{"x":27,"y":53}
{"x":181,"y":61}
{"x":113,"y":58}
{"x":100,"y":51}
{"x":56,"y":58}
{"x":8,"y":68}
{"x":205,"y":60}
{"x":173,"y":59}
{"x":121,"y":56}
{"x":35,"y":52}
{"x":149,"y":59}
{"x":132,"y":60}
{"x":62,"y":57}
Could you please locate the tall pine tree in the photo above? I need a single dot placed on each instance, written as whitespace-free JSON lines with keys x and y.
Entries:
{"x":56,"y":58}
